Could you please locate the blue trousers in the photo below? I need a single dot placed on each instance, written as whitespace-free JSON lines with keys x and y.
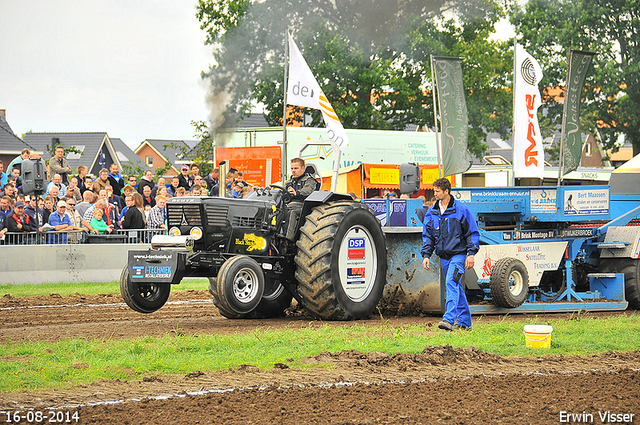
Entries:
{"x":456,"y":306}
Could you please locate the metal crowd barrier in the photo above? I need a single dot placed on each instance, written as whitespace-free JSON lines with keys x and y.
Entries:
{"x":140,"y":235}
{"x":80,"y":237}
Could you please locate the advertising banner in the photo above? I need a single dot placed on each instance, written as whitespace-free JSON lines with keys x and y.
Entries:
{"x":260,"y":166}
{"x":579,"y":63}
{"x":528,"y":152}
{"x":453,"y":115}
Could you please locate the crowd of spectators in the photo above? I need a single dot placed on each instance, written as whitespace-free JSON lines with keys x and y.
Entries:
{"x":80,"y":205}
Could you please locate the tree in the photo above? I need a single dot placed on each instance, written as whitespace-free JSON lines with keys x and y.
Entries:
{"x":371,"y":57}
{"x":137,"y":168}
{"x":611,"y":28}
{"x":203,"y":153}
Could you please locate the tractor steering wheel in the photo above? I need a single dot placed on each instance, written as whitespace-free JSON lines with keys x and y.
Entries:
{"x":286,"y":196}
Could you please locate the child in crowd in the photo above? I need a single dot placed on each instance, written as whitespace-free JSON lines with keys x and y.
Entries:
{"x":246,"y":191}
{"x":205,"y":191}
{"x":98,"y":224}
{"x":240,"y":180}
{"x":163,"y":191}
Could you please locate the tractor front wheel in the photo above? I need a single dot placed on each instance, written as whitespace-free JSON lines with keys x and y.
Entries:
{"x":239,"y":286}
{"x":143,"y":297}
{"x":275,"y":300}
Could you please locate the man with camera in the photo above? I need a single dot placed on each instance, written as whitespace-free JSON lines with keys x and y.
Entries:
{"x":450,"y":229}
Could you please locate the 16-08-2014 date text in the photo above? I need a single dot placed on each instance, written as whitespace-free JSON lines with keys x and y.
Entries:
{"x":39,"y":416}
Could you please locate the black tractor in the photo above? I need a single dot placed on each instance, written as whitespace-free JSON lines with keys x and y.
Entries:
{"x":259,"y":254}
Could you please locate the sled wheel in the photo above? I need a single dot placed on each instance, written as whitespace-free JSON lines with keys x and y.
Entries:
{"x":341,"y":261}
{"x":509,"y":282}
{"x":143,"y":297}
{"x":239,"y":285}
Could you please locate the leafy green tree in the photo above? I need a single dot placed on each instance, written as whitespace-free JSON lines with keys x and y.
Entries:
{"x":201,"y":154}
{"x":611,"y":29}
{"x":137,"y":168}
{"x":371,"y":57}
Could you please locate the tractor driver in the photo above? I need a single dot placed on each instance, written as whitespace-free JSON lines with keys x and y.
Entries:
{"x":299,"y":186}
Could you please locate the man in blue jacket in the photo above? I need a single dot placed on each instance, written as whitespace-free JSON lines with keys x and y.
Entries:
{"x":450,"y":229}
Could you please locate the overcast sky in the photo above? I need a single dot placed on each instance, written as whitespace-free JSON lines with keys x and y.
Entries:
{"x":129,"y":68}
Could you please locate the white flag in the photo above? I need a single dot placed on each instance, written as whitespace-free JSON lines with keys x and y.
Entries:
{"x":303,"y":90}
{"x":528,"y":152}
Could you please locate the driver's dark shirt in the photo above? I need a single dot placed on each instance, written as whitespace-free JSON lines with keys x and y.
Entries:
{"x":303,"y":185}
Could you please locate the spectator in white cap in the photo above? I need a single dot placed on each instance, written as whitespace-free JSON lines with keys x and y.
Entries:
{"x":185,"y":179}
{"x":61,"y":223}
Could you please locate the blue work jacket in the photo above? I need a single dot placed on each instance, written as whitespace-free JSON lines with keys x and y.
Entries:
{"x":450,"y":233}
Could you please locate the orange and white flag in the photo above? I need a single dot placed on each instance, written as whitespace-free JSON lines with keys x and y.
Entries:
{"x":303,"y":90}
{"x":528,"y":152}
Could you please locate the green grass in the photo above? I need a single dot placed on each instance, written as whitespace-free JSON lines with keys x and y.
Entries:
{"x":43,"y":365}
{"x":85,"y":288}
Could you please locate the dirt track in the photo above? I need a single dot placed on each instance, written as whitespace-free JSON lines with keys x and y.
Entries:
{"x":441,"y":384}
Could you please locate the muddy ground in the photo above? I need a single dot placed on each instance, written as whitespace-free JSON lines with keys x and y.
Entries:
{"x":439,"y":385}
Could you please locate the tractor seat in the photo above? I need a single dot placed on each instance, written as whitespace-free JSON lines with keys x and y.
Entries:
{"x":312,"y":170}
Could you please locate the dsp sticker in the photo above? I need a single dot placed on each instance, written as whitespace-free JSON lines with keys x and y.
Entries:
{"x":356,"y":249}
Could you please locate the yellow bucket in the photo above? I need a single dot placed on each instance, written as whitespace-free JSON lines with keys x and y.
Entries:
{"x":538,"y":336}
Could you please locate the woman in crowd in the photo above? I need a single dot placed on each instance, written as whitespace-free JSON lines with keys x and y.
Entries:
{"x":133,"y":218}
{"x":138,"y":201}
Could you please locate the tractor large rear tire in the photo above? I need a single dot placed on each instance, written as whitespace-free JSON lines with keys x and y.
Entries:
{"x":631,"y":269}
{"x":509,"y":283}
{"x":341,"y":261}
{"x":143,"y":297}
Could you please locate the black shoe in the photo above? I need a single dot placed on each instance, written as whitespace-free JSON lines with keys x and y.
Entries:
{"x":446,"y":326}
{"x":462,"y":328}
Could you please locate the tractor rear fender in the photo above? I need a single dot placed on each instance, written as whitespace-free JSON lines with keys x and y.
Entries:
{"x":320,"y":197}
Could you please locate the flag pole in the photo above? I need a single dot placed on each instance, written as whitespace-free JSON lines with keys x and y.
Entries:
{"x":284,"y":107}
{"x":435,"y":117}
{"x":513,"y":120}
